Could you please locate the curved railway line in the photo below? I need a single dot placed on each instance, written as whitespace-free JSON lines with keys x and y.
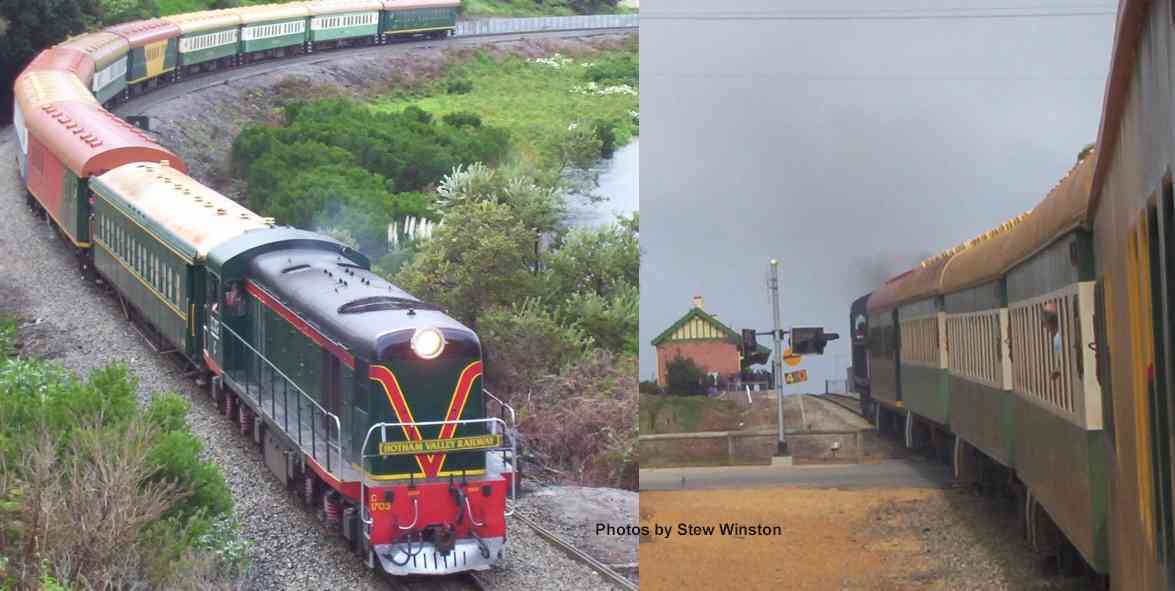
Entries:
{"x":612,"y":576}
{"x":196,"y":83}
{"x":848,"y":403}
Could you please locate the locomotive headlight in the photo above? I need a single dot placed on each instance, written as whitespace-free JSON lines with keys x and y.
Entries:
{"x":428,"y":343}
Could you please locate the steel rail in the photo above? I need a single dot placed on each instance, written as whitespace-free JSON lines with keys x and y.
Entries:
{"x":455,"y":582}
{"x":604,"y":570}
{"x":839,"y":400}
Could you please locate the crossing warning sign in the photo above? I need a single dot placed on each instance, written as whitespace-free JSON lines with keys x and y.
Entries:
{"x":795,"y":377}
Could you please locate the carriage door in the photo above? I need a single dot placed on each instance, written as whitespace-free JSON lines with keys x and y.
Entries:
{"x":1163,"y":277}
{"x":212,"y":344}
{"x":332,"y":394}
{"x":1149,"y":303}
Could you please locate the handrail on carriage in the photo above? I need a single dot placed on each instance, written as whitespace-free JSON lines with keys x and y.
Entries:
{"x":271,"y":412}
{"x":364,"y":515}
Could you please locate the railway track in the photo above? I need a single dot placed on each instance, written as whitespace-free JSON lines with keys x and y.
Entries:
{"x":458,"y":582}
{"x":848,"y":403}
{"x":470,"y":582}
{"x":604,"y":570}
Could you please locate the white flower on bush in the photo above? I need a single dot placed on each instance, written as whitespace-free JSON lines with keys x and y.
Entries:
{"x":572,"y":126}
{"x":636,"y":116}
{"x":555,"y":61}
{"x":409,"y":229}
{"x":592,"y":88}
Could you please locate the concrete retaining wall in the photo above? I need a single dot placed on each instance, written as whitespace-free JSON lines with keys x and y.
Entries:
{"x":827,"y":447}
{"x":711,"y":448}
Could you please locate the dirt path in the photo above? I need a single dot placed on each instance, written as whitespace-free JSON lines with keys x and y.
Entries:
{"x":825,"y":542}
{"x":848,"y":540}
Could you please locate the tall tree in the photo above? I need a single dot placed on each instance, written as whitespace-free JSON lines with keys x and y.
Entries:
{"x":32,"y":25}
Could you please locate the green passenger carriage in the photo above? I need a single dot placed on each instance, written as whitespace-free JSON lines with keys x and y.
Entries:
{"x":338,"y":20}
{"x":997,"y":350}
{"x":410,"y":17}
{"x":153,"y":50}
{"x":273,"y":29}
{"x":110,"y":55}
{"x":153,"y":226}
{"x":207,"y":38}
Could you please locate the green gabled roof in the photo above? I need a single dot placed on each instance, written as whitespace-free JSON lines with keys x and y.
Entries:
{"x":696,"y":312}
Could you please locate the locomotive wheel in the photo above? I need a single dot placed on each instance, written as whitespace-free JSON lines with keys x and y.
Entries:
{"x":309,"y":489}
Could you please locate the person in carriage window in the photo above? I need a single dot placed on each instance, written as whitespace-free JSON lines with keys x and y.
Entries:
{"x":234,"y":300}
{"x":1052,"y":328}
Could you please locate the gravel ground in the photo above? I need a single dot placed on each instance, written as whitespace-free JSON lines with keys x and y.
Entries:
{"x":573,"y":512}
{"x":83,"y":327}
{"x":971,"y":543}
{"x":821,"y":415}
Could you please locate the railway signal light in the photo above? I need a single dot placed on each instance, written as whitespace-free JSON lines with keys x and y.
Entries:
{"x":795,"y":377}
{"x":750,"y":343}
{"x":810,"y":340}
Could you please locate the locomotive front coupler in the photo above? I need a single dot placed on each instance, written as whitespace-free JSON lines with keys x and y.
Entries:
{"x":442,"y":535}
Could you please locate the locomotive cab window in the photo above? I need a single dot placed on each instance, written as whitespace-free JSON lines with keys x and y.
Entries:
{"x":234,"y":299}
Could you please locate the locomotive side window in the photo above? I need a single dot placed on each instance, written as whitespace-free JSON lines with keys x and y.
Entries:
{"x":234,"y":299}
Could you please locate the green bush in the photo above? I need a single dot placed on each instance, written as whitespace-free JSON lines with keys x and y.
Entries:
{"x":168,"y":412}
{"x":523,"y":342}
{"x":458,"y":86}
{"x":615,"y":69}
{"x":684,"y":376}
{"x":123,"y":11}
{"x":461,"y":118}
{"x":649,"y":387}
{"x":605,"y":132}
{"x":418,"y":114}
{"x":337,"y":164}
{"x":603,"y":261}
{"x":9,"y":336}
{"x":176,"y":456}
{"x":611,"y":321}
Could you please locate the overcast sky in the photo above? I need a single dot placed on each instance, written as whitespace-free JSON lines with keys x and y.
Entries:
{"x":848,"y":148}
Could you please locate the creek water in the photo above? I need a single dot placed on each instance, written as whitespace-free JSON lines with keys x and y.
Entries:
{"x":618,"y":186}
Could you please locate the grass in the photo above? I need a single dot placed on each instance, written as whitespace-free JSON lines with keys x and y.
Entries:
{"x":680,"y":414}
{"x":8,"y":336}
{"x":535,"y":102}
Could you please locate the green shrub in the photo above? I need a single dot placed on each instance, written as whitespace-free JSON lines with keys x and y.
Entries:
{"x":418,"y":114}
{"x":684,"y":376}
{"x":615,"y":69}
{"x":462,"y":118}
{"x":338,"y":164}
{"x":168,"y":412}
{"x":605,"y":132}
{"x":176,"y":457}
{"x":611,"y":321}
{"x":9,"y":336}
{"x":458,"y":86}
{"x":524,"y":342}
{"x":649,"y":387}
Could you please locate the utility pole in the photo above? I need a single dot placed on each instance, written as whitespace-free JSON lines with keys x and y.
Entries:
{"x":776,"y":337}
